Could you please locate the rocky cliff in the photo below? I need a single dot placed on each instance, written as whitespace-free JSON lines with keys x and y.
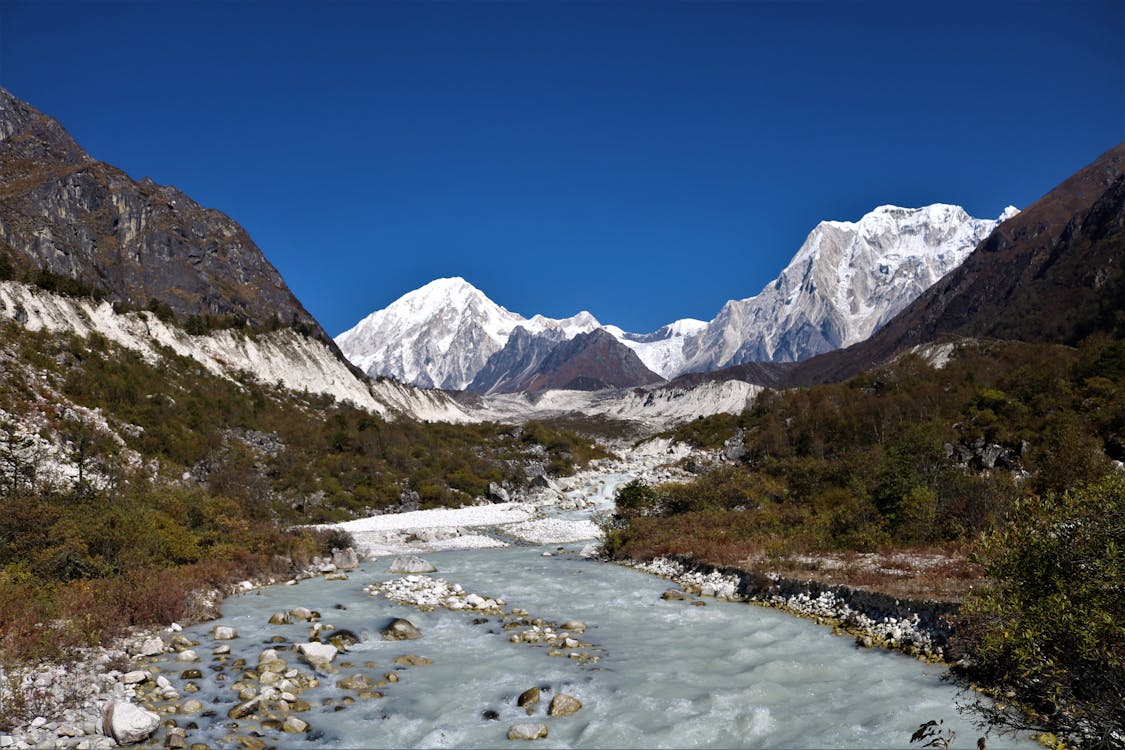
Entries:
{"x":64,"y":212}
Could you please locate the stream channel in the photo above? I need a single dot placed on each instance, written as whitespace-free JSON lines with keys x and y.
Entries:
{"x":668,"y":674}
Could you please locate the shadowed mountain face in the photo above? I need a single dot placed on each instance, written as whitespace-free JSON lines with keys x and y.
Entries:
{"x":520,"y":359}
{"x":588,"y":362}
{"x":64,"y":212}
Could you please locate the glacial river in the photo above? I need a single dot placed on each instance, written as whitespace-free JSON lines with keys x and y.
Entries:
{"x":669,"y":674}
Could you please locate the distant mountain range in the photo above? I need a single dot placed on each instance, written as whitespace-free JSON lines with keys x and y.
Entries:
{"x":847,"y":280}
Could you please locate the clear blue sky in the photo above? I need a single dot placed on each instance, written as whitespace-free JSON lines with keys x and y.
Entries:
{"x":645,"y":161}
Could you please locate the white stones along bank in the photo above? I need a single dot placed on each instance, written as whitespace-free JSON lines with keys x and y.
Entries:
{"x":876,"y":620}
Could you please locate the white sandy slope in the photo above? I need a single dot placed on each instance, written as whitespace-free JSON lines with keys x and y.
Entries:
{"x":282,"y":357}
{"x":657,"y":408}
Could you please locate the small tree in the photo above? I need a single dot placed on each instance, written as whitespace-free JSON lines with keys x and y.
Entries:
{"x":18,"y":459}
{"x":635,"y":499}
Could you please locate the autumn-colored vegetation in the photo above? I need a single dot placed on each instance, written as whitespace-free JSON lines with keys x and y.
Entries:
{"x":174,"y":479}
{"x":1004,"y":452}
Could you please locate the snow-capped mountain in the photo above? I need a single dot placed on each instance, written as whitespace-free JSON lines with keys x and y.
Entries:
{"x":442,"y":334}
{"x":846,"y":281}
{"x":663,"y":350}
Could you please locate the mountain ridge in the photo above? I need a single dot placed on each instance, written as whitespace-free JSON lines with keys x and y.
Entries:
{"x":845,"y":281}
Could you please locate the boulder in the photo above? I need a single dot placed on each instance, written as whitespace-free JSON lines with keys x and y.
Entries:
{"x":317,"y":654}
{"x":528,"y":698}
{"x":343,"y":638}
{"x":574,"y":626}
{"x":303,"y":614}
{"x":152,"y":646}
{"x":356,"y":682}
{"x":527,"y":732}
{"x":563,"y":705}
{"x":224,"y":633}
{"x":191,"y":707}
{"x":280,"y":618}
{"x":245,"y":708}
{"x":410,"y":564}
{"x":345,"y":559}
{"x":412,"y":660}
{"x":132,"y":678}
{"x":496,"y":493}
{"x":401,"y":630}
{"x":182,"y":642}
{"x":127,"y":723}
{"x":674,"y":595}
{"x":293,"y":725}
{"x":187,"y":655}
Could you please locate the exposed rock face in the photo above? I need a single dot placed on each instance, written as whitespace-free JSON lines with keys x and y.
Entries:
{"x":65,"y":212}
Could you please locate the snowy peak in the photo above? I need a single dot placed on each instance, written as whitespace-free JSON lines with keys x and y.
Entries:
{"x":846,"y":281}
{"x":843,"y":284}
{"x":442,"y":334}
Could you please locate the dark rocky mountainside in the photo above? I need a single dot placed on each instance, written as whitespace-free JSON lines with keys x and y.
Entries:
{"x":520,"y":358}
{"x":588,"y":362}
{"x":63,"y":211}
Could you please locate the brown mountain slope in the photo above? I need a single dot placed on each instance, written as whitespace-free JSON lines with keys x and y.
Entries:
{"x":588,"y":362}
{"x":64,"y":212}
{"x":1053,"y":273}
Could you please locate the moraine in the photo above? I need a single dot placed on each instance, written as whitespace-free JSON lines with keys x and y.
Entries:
{"x":647,"y":672}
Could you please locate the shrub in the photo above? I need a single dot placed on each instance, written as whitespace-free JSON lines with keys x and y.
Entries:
{"x":635,"y":499}
{"x":1050,"y":624}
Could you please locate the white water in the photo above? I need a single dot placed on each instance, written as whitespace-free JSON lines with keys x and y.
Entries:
{"x":671,"y":675}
